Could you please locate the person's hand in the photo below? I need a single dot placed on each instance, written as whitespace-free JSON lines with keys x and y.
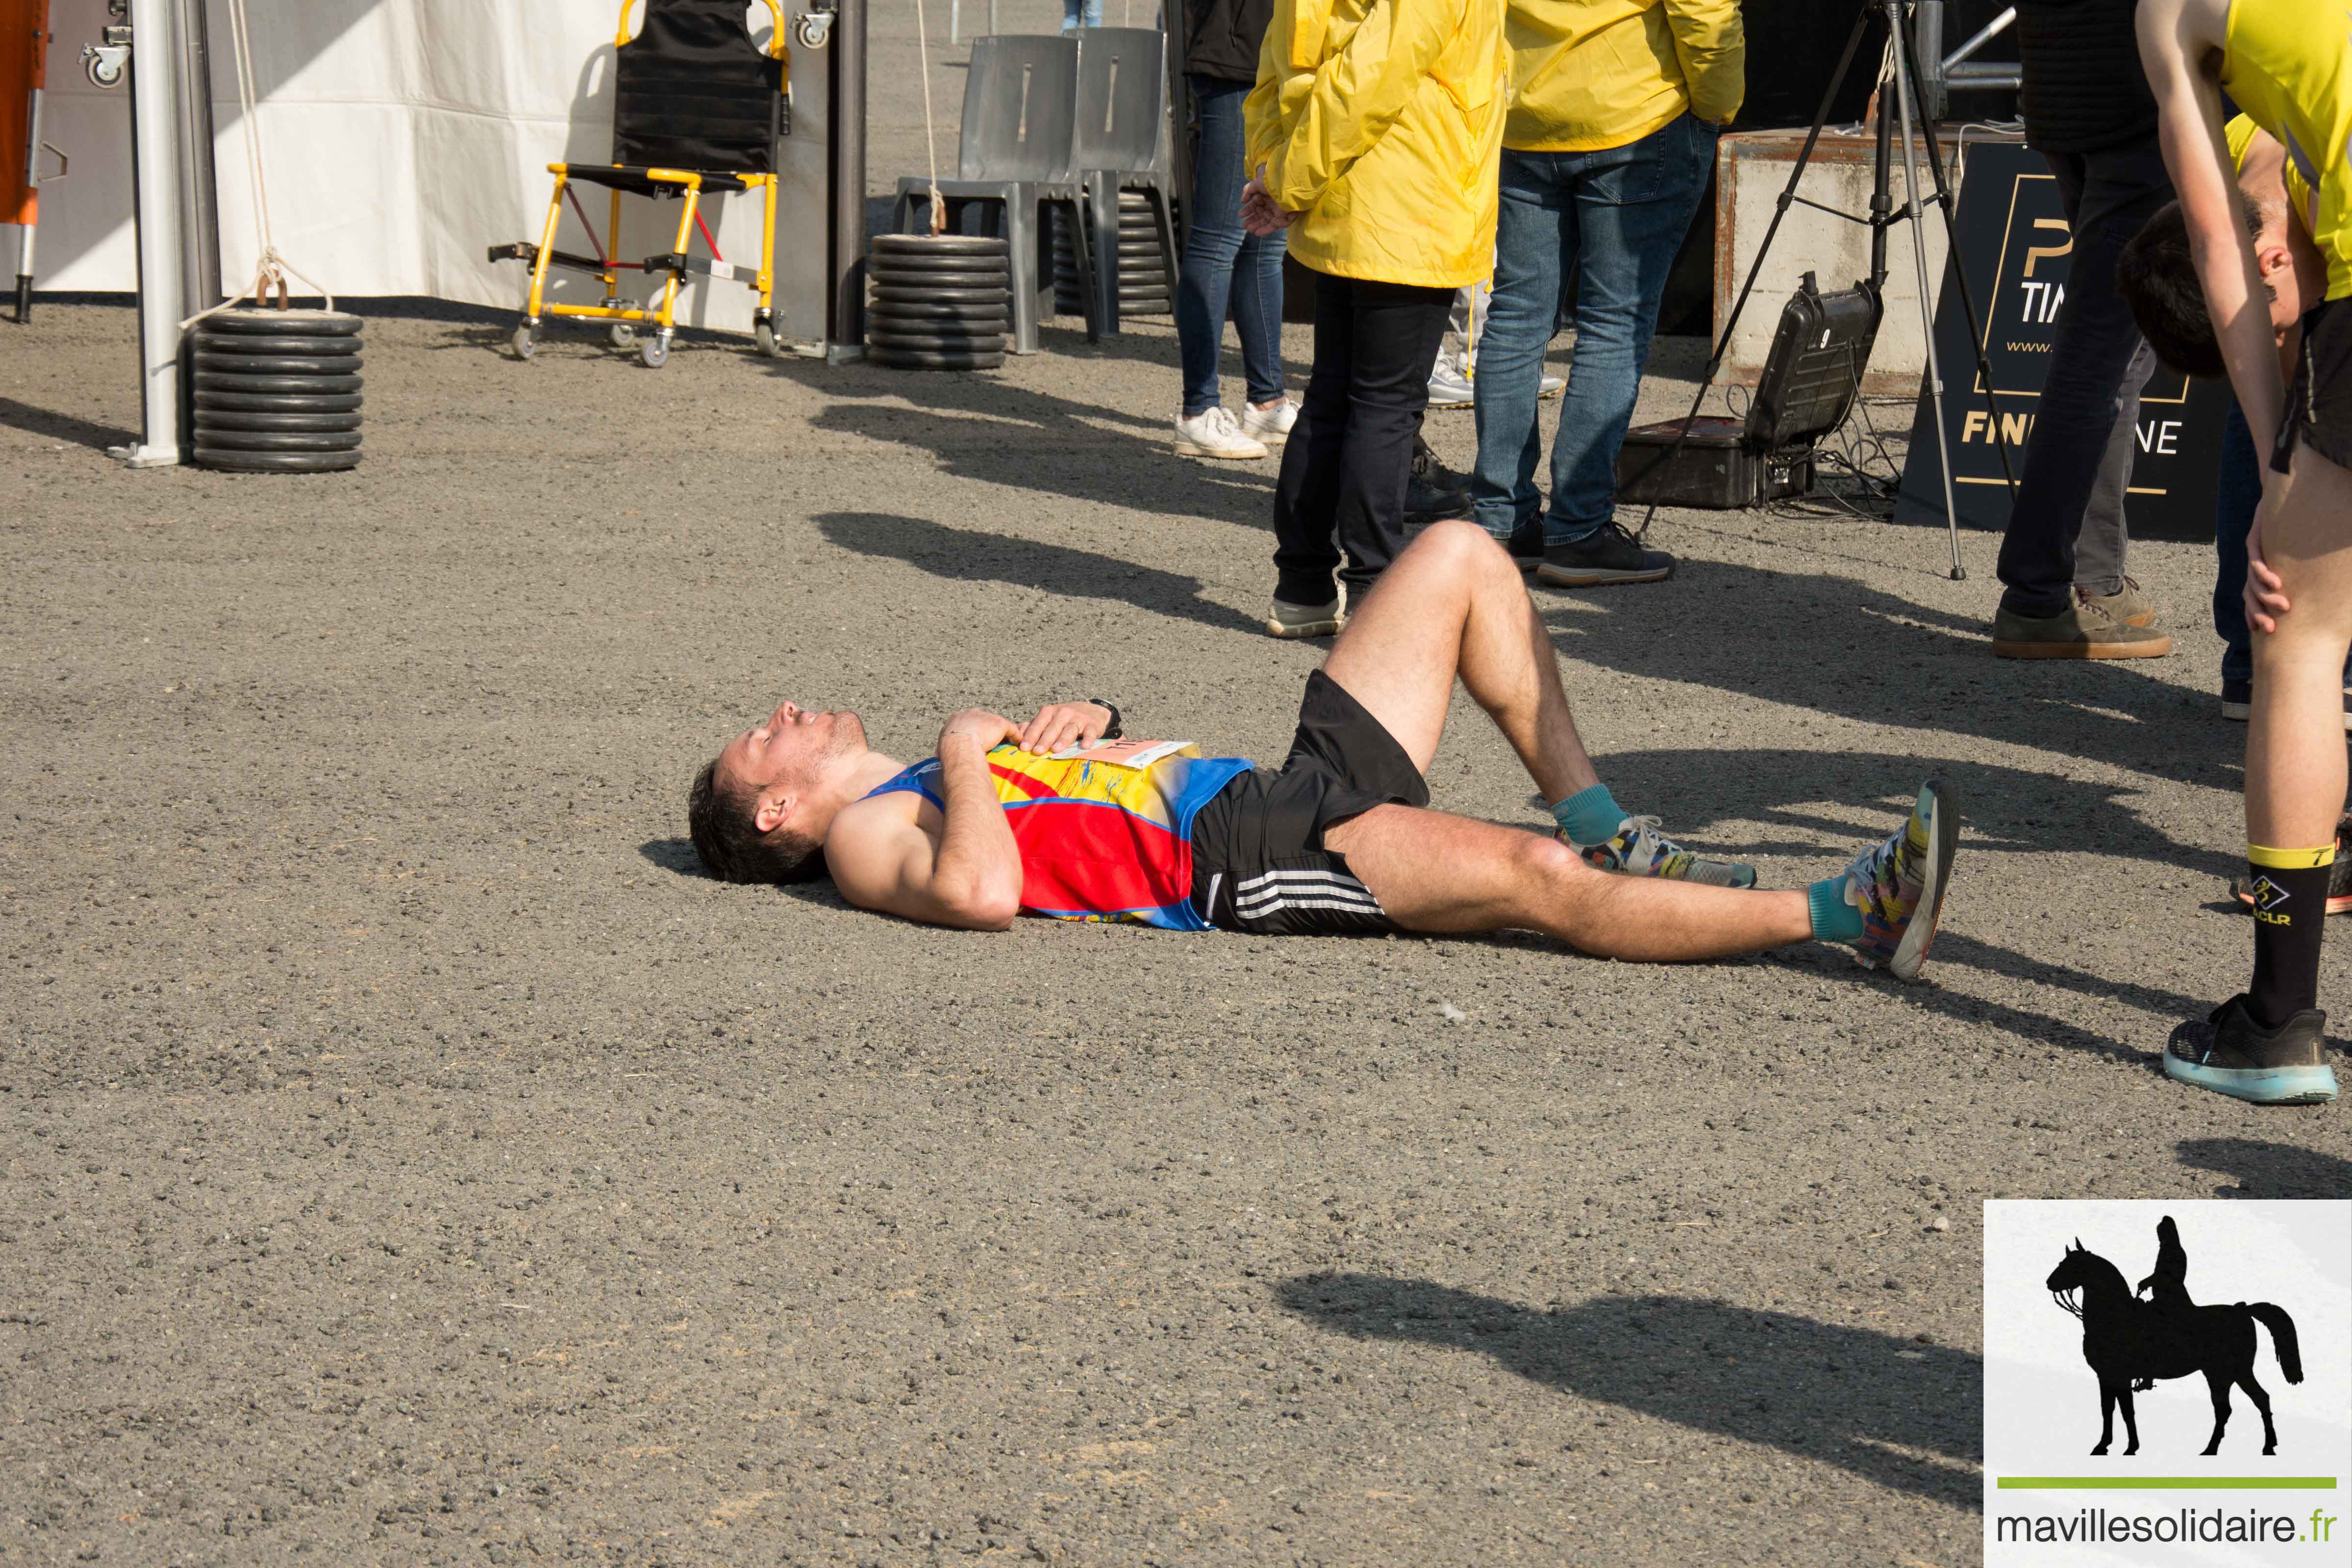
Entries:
{"x":1259,"y":214}
{"x":1059,"y":725}
{"x":2266,"y":592}
{"x":980,"y":724}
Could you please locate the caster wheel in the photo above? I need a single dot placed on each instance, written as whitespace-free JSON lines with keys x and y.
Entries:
{"x":764,"y":334}
{"x":623,"y":334}
{"x":525,"y":342}
{"x":654,"y":349}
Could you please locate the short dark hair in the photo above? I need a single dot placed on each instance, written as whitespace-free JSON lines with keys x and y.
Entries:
{"x":732,"y":848}
{"x":2157,"y":274}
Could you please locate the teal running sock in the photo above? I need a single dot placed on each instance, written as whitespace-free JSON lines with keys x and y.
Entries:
{"x":1589,"y":815}
{"x":1833,"y":919}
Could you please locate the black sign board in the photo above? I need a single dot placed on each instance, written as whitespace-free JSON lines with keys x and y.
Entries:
{"x":2014,"y":241}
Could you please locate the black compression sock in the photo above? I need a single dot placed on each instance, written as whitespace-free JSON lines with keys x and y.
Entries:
{"x":2290,"y":887}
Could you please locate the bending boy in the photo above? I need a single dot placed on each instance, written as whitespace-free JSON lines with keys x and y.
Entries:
{"x":1340,"y":840}
{"x":2283,"y":61}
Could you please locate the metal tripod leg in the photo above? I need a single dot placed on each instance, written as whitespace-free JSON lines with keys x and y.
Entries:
{"x":1927,"y":289}
{"x":1945,"y":200}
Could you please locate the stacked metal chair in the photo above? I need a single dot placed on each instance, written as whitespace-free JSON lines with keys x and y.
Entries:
{"x":1020,"y":101}
{"x":1122,"y":107}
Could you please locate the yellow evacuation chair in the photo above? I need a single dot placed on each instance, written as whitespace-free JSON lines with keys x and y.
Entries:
{"x":697,"y":107}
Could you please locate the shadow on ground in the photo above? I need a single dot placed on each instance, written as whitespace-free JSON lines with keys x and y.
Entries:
{"x":2266,"y":1170}
{"x":58,"y":426}
{"x":1895,"y":1412}
{"x":975,"y":555}
{"x":1860,"y":653}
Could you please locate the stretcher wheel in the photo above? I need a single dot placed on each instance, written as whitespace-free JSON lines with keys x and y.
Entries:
{"x":237,"y":461}
{"x":764,"y":334}
{"x":623,"y":334}
{"x":654,"y":349}
{"x":525,"y":342}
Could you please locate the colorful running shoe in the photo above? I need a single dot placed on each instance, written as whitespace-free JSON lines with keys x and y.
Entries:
{"x":1898,"y":886}
{"x":2227,"y":1052}
{"x":1639,"y":850}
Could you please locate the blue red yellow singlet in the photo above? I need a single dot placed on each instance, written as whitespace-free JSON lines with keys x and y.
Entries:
{"x":1099,"y":841}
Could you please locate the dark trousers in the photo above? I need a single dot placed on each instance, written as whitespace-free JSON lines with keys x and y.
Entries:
{"x":2068,"y":523}
{"x":1345,"y":467}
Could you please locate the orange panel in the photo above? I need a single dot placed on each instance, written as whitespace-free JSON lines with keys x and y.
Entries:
{"x":24,"y":45}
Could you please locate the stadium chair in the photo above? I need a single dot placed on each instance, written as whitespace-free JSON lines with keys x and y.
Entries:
{"x":1020,"y":99}
{"x":698,"y":106}
{"x":1122,"y":103}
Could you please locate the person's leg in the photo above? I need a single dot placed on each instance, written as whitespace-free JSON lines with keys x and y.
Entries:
{"x":2076,"y":449}
{"x":1395,"y":333}
{"x":1454,"y":605}
{"x":1307,"y":496}
{"x":1632,"y":207}
{"x":1257,"y":313}
{"x":2238,"y":492}
{"x":2103,"y":546}
{"x":1438,"y":873}
{"x":1212,"y":241}
{"x":1521,"y":314}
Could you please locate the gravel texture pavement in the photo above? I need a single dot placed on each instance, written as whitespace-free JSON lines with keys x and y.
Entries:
{"x":407,"y":1156}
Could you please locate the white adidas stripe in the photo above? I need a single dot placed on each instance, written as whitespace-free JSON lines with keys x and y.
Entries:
{"x":1303,"y":889}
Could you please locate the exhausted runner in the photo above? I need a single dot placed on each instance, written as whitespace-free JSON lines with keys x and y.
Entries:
{"x":1058,"y":816}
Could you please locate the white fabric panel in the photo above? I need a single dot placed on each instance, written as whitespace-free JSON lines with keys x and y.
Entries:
{"x":401,"y":138}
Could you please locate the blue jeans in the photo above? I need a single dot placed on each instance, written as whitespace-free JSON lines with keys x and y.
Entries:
{"x":1225,"y":263}
{"x":1081,"y":14}
{"x":1617,"y":217}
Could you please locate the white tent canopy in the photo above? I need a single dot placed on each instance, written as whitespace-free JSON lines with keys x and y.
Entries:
{"x":401,"y":137}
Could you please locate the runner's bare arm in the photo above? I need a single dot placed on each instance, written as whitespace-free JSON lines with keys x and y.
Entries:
{"x":2178,"y":38}
{"x":969,"y":874}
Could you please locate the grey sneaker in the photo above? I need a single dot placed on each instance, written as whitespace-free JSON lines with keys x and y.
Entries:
{"x":1287,"y":620}
{"x":2129,"y":604}
{"x":2082,"y":630}
{"x":2228,"y":1053}
{"x":1611,"y":555}
{"x":1449,"y":387}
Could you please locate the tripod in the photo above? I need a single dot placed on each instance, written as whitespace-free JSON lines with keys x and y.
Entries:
{"x":1905,"y":75}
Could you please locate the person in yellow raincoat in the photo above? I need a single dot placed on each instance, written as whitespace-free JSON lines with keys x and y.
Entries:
{"x":1373,"y":133}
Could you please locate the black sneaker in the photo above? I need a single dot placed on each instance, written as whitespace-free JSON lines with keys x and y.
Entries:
{"x":1433,"y":492}
{"x":2227,"y":1052}
{"x":1609,"y":555}
{"x":1526,"y":548}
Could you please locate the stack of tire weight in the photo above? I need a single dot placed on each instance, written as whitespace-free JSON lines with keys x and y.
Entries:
{"x":277,"y":391}
{"x":1144,"y":287}
{"x":939,"y":301}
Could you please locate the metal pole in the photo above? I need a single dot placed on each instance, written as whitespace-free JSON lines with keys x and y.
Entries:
{"x":844,"y":330}
{"x":1927,"y":289}
{"x":156,"y":169}
{"x":200,"y":209}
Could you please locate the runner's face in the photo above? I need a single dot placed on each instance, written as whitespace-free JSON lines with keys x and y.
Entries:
{"x":790,"y":746}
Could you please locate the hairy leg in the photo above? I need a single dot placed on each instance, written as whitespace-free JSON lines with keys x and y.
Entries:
{"x":2295,"y":747}
{"x":1453,"y":602}
{"x":1439,"y":873}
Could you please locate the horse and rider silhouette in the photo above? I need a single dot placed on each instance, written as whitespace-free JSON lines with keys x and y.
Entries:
{"x":2130,"y":1343}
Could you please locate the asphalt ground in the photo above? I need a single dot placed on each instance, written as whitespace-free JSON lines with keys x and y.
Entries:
{"x":407,"y":1156}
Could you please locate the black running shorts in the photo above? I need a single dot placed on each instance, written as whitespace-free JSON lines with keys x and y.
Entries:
{"x":1258,"y":860}
{"x":2319,"y":398}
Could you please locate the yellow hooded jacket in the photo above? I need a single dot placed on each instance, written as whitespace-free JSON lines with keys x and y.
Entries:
{"x":1594,"y":74}
{"x":1380,"y":121}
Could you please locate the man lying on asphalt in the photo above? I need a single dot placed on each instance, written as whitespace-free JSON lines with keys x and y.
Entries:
{"x":1052,"y":818}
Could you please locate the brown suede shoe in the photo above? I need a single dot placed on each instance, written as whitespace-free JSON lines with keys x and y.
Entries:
{"x":2082,"y":631}
{"x":2131,"y":605}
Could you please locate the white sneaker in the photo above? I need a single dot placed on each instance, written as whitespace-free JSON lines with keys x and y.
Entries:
{"x":1270,"y":423}
{"x":1550,"y":386}
{"x":1213,"y":433}
{"x":1449,"y":387}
